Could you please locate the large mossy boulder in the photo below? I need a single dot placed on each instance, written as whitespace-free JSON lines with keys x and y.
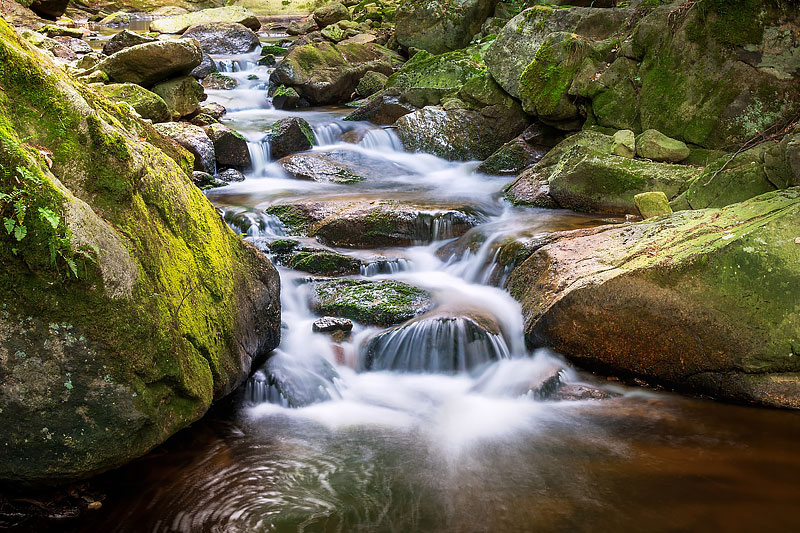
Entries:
{"x":148,"y":104}
{"x":324,"y":73}
{"x":182,"y":95}
{"x":330,"y":13}
{"x":425,"y":78}
{"x":440,"y":26}
{"x":704,"y":301}
{"x":714,"y":76}
{"x":180,"y":23}
{"x":518,"y":44}
{"x":373,"y":302}
{"x":374,"y":223}
{"x":583,"y":174}
{"x":149,"y":63}
{"x":128,"y":306}
{"x":223,"y":37}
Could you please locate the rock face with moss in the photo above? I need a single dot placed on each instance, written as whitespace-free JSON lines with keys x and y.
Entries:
{"x":704,"y":301}
{"x":373,"y":302}
{"x":324,"y":73}
{"x":440,"y":26}
{"x":128,"y":306}
{"x":290,"y":135}
{"x":374,"y":224}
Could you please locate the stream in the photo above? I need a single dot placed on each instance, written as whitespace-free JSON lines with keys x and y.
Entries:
{"x":419,"y":443}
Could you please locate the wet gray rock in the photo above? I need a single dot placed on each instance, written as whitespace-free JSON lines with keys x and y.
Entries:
{"x":223,"y":38}
{"x":230,"y":147}
{"x":125,"y":39}
{"x":328,"y":324}
{"x":383,"y":109}
{"x":339,"y":166}
{"x":230,"y":175}
{"x":194,"y":139}
{"x":290,"y":135}
{"x":205,"y":68}
{"x":79,"y":46}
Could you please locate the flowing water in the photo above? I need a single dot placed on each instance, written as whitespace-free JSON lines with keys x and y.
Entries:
{"x":445,"y":423}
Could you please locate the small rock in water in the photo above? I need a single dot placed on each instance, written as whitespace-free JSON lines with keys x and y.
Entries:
{"x":332,"y":323}
{"x":230,"y":174}
{"x":577,"y":392}
{"x":290,"y":135}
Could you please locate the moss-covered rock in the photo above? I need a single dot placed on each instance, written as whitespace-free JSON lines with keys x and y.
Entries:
{"x":230,"y":147}
{"x":129,"y":306}
{"x":652,"y":144}
{"x":324,"y":73}
{"x":182,"y":95}
{"x":425,"y":78}
{"x":180,"y":23}
{"x":148,"y":104}
{"x":440,"y":26}
{"x":325,"y":263}
{"x":149,"y":63}
{"x":374,"y":223}
{"x":519,"y":42}
{"x":380,"y":302}
{"x":652,"y":204}
{"x":511,"y":158}
{"x":371,"y":83}
{"x":219,"y":82}
{"x":595,"y":182}
{"x":290,"y":135}
{"x":704,"y":301}
{"x":330,"y":13}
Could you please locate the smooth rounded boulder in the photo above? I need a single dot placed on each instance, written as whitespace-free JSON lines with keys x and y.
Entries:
{"x":148,"y":104}
{"x":290,"y":135}
{"x":182,"y":95}
{"x":223,"y":37}
{"x":194,"y":139}
{"x":330,"y":13}
{"x":125,"y":39}
{"x":703,"y":301}
{"x":230,"y":147}
{"x":149,"y":63}
{"x":180,"y":23}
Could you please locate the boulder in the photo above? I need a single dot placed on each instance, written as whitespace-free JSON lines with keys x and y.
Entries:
{"x":223,"y":37}
{"x":652,"y":204}
{"x":440,"y":26}
{"x":714,"y":77}
{"x":230,"y":147}
{"x":286,"y":98}
{"x":374,"y":223}
{"x":371,"y":302}
{"x":50,"y":9}
{"x":656,"y":146}
{"x":702,"y":301}
{"x":120,"y":18}
{"x":180,"y":23}
{"x":383,"y":109}
{"x":330,"y":13}
{"x":624,"y":144}
{"x":460,"y":134}
{"x":79,"y":46}
{"x":425,"y":78}
{"x":206,"y":67}
{"x":148,"y":104}
{"x":182,"y":95}
{"x":339,"y":166}
{"x":216,"y":81}
{"x":213,"y":109}
{"x":594,"y":182}
{"x":230,"y":175}
{"x":517,"y":45}
{"x":194,"y":139}
{"x":324,"y":73}
{"x":370,"y":83}
{"x":52,"y":31}
{"x":149,"y":63}
{"x":512,"y":158}
{"x":531,"y":188}
{"x":337,"y":328}
{"x":150,"y":308}
{"x":288,"y":136}
{"x":325,"y":263}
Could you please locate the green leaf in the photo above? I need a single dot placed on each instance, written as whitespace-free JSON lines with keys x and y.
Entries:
{"x":20,"y":232}
{"x":72,"y":266}
{"x":20,"y":209}
{"x":49,"y":216}
{"x":9,"y":224}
